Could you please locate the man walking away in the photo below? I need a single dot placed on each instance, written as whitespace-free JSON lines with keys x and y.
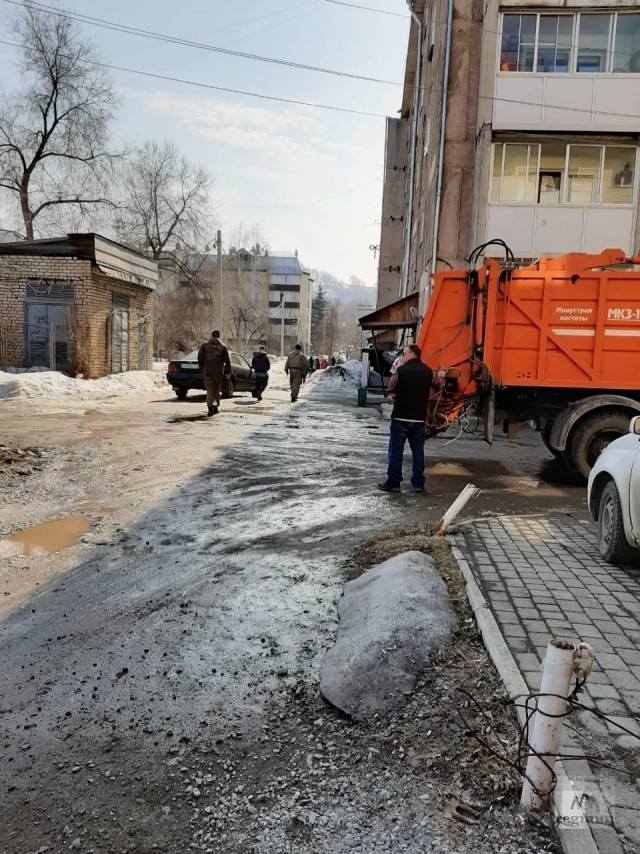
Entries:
{"x":261,"y":365}
{"x":213,"y":358}
{"x":296,"y":365}
{"x":410,"y":385}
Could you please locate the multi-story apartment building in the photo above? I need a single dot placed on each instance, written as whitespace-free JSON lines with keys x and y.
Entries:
{"x":520,"y":121}
{"x":290,"y":287}
{"x":266,"y":297}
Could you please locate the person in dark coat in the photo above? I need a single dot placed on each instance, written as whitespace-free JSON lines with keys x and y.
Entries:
{"x":213,"y":358}
{"x":410,"y":385}
{"x":261,"y":365}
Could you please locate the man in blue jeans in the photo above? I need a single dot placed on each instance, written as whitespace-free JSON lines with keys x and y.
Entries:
{"x":410,"y":386}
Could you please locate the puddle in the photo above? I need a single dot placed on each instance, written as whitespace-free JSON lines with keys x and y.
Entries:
{"x":91,"y":413}
{"x":47,"y":538}
{"x":451,"y":469}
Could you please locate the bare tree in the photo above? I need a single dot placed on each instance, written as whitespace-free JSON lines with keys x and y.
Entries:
{"x":164,"y":200}
{"x":184,"y":307}
{"x":246,"y":323}
{"x":246,"y":286}
{"x":53,"y":131}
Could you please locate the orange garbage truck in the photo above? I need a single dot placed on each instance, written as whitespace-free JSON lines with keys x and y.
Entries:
{"x":555,"y":344}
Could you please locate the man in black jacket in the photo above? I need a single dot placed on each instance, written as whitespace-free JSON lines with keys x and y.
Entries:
{"x":410,"y":386}
{"x":261,"y":365}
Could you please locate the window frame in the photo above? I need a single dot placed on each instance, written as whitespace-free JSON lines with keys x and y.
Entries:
{"x":613,"y":15}
{"x":565,"y":176}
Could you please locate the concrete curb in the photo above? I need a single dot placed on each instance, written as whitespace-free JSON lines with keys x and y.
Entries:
{"x":574,"y":840}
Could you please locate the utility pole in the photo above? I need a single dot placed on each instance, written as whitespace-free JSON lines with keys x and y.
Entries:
{"x":282,"y":324}
{"x":219,"y":247}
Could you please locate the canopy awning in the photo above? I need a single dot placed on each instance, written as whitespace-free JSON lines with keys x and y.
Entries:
{"x":401,"y":314}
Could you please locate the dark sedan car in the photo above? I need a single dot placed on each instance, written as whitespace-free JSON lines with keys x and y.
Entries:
{"x":184,"y":374}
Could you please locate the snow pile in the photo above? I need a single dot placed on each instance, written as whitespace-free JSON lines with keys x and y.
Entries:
{"x":341,"y":377}
{"x":51,"y":385}
{"x":277,"y":377}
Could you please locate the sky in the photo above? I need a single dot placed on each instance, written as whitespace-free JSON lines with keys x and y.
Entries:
{"x":310,"y":178}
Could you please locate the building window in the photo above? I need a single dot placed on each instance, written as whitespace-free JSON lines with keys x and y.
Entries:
{"x":554,"y":44}
{"x":618,"y":175}
{"x":519,"y":167}
{"x":518,"y":42}
{"x":584,"y":174}
{"x":593,"y":44}
{"x":557,"y":173}
{"x":582,"y":43}
{"x":626,"y":45}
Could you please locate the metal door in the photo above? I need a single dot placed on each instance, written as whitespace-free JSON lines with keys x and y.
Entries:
{"x":37,"y":332}
{"x":49,"y":336}
{"x":119,"y":340}
{"x":142,"y":343}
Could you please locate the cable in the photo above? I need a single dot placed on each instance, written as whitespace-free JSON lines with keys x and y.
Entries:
{"x":525,"y":749}
{"x":99,"y":22}
{"x":149,"y":34}
{"x":307,"y":204}
{"x":217,"y":88}
{"x":368,"y":9}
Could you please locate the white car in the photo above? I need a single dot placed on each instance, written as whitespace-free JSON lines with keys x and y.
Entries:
{"x":613,"y":496}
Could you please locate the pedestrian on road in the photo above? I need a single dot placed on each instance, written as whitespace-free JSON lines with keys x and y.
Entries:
{"x":311,"y":365}
{"x":261,"y":365}
{"x":296,"y":366}
{"x":410,"y":385}
{"x":213,"y":358}
{"x":333,"y":361}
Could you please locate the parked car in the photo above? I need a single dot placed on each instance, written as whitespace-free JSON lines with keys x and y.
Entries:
{"x":185,"y":374}
{"x":613,"y":496}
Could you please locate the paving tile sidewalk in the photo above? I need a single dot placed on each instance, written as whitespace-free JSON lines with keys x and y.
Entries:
{"x":543,"y":577}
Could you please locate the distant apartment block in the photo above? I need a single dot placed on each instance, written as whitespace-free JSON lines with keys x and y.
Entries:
{"x":266,"y":296}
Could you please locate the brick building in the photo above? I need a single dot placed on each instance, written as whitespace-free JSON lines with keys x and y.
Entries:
{"x":79,"y":304}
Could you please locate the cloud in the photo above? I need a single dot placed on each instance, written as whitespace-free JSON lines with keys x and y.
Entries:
{"x":310,"y":179}
{"x":281,"y":131}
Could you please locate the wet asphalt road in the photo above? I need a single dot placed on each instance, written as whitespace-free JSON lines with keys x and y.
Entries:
{"x":186,"y":628}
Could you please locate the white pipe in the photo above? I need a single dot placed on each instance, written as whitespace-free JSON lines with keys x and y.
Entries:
{"x":443,"y":122}
{"x":412,"y":154}
{"x":547,"y":728}
{"x":468,"y":492}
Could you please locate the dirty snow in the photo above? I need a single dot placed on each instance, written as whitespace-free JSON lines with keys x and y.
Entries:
{"x":51,"y":385}
{"x":341,"y":377}
{"x":393,"y":620}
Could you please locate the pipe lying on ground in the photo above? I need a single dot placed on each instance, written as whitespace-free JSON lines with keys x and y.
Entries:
{"x":470,"y":491}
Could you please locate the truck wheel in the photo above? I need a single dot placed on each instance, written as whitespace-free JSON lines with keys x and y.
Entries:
{"x":181,"y":393}
{"x":590,"y":437}
{"x":612,"y":542}
{"x":546,"y":436}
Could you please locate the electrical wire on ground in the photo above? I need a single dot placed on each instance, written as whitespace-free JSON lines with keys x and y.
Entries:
{"x":525,"y":749}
